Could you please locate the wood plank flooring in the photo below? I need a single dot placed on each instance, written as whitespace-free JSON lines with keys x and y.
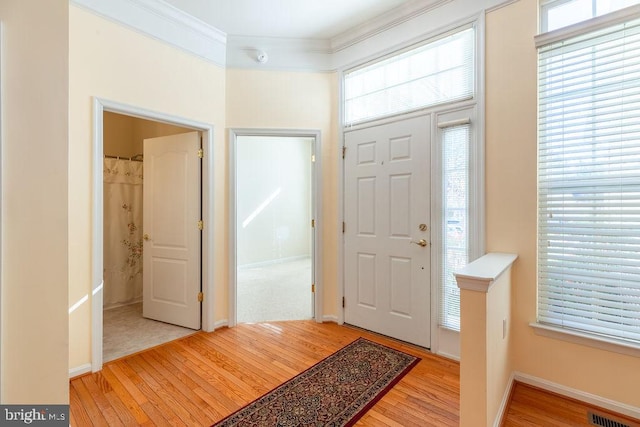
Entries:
{"x":200,"y":379}
{"x":531,"y":406}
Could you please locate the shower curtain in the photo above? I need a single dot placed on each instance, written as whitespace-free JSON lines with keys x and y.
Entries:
{"x":122,"y":251}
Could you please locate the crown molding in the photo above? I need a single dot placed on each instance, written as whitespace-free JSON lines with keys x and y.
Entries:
{"x":410,"y":23}
{"x":284,"y":53}
{"x":383,"y":22}
{"x":164,"y":22}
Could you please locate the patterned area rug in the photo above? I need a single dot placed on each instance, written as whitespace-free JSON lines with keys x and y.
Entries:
{"x":334,"y":392}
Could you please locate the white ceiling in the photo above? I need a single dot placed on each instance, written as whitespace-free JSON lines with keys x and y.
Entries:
{"x":302,"y":19}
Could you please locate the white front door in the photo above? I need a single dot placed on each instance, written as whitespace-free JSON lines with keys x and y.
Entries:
{"x":387,"y":215}
{"x":171,"y":212}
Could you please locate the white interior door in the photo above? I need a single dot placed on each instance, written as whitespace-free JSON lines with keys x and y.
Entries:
{"x":387,"y":215}
{"x":171,"y":212}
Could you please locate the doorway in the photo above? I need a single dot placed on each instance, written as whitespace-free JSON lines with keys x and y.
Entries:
{"x":387,"y":236}
{"x":135,"y":185}
{"x":275,"y":226}
{"x":158,"y":122}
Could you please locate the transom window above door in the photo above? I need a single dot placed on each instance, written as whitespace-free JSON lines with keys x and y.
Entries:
{"x":436,"y":72}
{"x":555,"y":14}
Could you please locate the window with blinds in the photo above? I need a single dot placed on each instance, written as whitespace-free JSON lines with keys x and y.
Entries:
{"x":556,"y":14}
{"x":455,"y":204}
{"x":437,"y":72}
{"x":589,"y":180}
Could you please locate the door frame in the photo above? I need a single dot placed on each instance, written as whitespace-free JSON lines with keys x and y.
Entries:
{"x":100,"y":105}
{"x":316,"y":213}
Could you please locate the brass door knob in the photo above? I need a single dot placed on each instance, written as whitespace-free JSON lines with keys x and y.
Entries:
{"x":145,"y":237}
{"x":420,"y":242}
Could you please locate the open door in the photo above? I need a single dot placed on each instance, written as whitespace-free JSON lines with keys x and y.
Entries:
{"x":172,"y":230}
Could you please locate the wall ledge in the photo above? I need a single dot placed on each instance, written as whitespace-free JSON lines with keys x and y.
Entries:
{"x":482,"y":273}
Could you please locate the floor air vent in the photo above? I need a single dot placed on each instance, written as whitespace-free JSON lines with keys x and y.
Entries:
{"x":602,"y":421}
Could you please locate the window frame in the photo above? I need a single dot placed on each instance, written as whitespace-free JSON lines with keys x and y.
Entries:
{"x":573,"y":335}
{"x":475,"y":25}
{"x":444,"y":342}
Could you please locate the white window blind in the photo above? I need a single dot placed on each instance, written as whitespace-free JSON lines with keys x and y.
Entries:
{"x":589,"y":182}
{"x":437,"y":72}
{"x":455,"y":241}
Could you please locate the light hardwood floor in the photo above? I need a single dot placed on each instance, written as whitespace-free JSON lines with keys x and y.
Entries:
{"x":198,"y":380}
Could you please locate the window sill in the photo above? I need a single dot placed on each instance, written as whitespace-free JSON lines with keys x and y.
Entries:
{"x":584,"y":338}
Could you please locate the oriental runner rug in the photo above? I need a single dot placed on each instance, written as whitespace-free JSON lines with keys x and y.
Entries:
{"x":336,"y":391}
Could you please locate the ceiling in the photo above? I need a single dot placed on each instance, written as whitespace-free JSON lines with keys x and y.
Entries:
{"x":300,"y":19}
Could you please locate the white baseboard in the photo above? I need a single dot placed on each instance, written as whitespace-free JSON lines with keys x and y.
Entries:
{"x":611,"y":405}
{"x":274,"y":262}
{"x":505,"y":401}
{"x":220,"y":324}
{"x":79,"y":370}
{"x":330,"y":318}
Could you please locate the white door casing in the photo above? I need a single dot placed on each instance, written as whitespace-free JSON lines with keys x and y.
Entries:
{"x":172,"y":238}
{"x":387,"y":198}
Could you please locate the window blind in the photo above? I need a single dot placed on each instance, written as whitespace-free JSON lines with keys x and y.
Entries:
{"x":437,"y":72}
{"x":455,"y":241}
{"x":589,"y":182}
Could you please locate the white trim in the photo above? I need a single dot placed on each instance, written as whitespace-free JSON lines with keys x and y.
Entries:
{"x":316,"y":212}
{"x":79,"y":370}
{"x":587,"y":339}
{"x":483,"y":272}
{"x":453,"y":123}
{"x":273,"y":261}
{"x":164,"y":22}
{"x":593,"y":24}
{"x":208,"y":247}
{"x":381,"y":23}
{"x":504,"y":403}
{"x":476,"y":158}
{"x":448,"y":343}
{"x":284,"y":54}
{"x":179,"y":29}
{"x":224,"y":323}
{"x":592,"y":399}
{"x":330,"y":318}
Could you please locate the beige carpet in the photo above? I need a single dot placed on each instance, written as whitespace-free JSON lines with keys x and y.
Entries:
{"x":125,"y":332}
{"x":279,"y":291}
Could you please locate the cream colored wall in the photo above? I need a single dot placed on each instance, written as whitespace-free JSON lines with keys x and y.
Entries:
{"x":289,"y":100}
{"x":473,"y":369}
{"x":35,"y":83}
{"x":499,"y":349}
{"x":112,"y":62}
{"x":511,"y":211}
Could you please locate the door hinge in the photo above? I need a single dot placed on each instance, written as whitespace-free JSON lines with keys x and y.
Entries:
{"x":200,"y":296}
{"x":200,"y":225}
{"x":344,"y":150}
{"x":313,"y":223}
{"x":200,"y":153}
{"x":344,"y":227}
{"x":342,"y":302}
{"x":313,"y":158}
{"x":313,"y":288}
